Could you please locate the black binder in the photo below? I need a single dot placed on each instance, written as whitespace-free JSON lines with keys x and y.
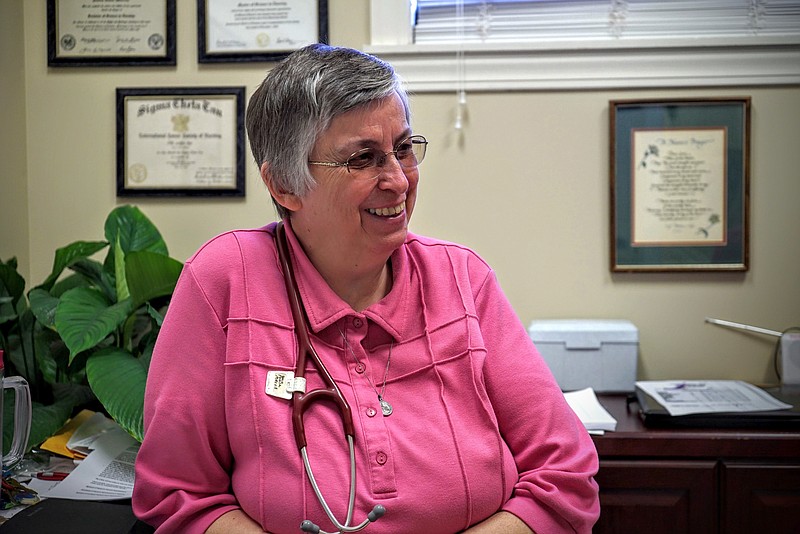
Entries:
{"x":654,"y":415}
{"x":79,"y":517}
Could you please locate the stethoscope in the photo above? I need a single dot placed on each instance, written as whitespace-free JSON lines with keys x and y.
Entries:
{"x":301,"y":399}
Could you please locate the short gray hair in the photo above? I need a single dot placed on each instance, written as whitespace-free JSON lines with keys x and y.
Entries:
{"x":300,"y":97}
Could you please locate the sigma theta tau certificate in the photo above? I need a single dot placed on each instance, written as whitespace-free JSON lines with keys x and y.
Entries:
{"x":180,"y":142}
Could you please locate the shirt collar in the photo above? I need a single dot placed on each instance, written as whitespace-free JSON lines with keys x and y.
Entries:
{"x":324,"y":307}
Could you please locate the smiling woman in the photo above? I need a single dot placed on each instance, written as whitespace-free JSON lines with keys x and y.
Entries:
{"x":353,"y":220}
{"x":409,"y":340}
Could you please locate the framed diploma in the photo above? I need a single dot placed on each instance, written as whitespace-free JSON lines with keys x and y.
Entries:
{"x":100,"y":33}
{"x":680,"y":184}
{"x":231,"y":30}
{"x":180,"y":142}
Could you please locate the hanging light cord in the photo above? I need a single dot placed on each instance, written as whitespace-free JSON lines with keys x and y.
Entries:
{"x":461,"y":94}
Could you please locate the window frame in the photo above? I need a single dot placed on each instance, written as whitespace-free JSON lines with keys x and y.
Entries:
{"x":575,"y":64}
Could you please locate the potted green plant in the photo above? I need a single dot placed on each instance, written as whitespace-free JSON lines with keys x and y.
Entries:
{"x":87,"y":332}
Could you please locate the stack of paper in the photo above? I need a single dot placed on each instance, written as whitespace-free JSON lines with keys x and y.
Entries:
{"x":57,"y":443}
{"x":106,"y":470}
{"x":589,"y":410}
{"x":685,"y":397}
{"x":82,"y":441}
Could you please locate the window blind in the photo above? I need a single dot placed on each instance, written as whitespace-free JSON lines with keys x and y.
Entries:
{"x":440,"y":22}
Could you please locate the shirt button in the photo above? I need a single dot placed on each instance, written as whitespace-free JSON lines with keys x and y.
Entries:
{"x":360,"y":368}
{"x":357,"y":322}
{"x":371,"y":412}
{"x":381,"y":458}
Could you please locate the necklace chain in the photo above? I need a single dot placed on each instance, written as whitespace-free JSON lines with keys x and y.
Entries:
{"x":386,"y":408}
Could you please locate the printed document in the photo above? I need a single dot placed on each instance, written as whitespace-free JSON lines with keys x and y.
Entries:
{"x":683,"y":397}
{"x":106,"y":473}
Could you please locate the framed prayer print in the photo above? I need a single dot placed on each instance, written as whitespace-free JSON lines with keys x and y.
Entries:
{"x":86,"y":33}
{"x":186,"y":141}
{"x":234,"y":31}
{"x":679,"y":175}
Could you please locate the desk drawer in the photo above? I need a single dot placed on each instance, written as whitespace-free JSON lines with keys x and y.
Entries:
{"x":657,"y":497}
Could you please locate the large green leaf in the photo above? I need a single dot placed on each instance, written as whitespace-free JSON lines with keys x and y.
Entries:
{"x":150,"y":275}
{"x":70,"y":254}
{"x":44,"y":341}
{"x":84,"y":318}
{"x":157,"y":316}
{"x":147,"y":351}
{"x":11,"y":284}
{"x":7,"y":311}
{"x":21,"y":352}
{"x":134,"y":231}
{"x":119,"y":272}
{"x":96,"y":275}
{"x":118,"y":380}
{"x":43,"y":306}
{"x":69,"y":281}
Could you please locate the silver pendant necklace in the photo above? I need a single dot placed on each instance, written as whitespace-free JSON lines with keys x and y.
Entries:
{"x":386,"y":408}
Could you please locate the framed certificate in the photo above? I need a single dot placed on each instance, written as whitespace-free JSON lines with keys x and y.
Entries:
{"x":680,"y":184}
{"x":93,"y":33}
{"x":180,"y":141}
{"x":231,"y":31}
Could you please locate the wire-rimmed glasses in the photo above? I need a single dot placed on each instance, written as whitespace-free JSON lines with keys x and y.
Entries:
{"x":368,"y":162}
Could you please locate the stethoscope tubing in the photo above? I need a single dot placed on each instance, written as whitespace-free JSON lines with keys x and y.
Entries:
{"x":351,"y":500}
{"x":302,"y":400}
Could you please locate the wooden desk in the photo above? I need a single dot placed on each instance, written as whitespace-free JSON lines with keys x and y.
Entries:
{"x":656,"y":481}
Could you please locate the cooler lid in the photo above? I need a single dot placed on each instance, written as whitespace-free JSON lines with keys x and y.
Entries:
{"x":583,"y":333}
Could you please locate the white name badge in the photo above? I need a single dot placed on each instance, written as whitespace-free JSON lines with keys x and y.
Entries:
{"x":282,"y":384}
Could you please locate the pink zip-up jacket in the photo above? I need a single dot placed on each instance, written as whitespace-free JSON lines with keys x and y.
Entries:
{"x":479,"y":424}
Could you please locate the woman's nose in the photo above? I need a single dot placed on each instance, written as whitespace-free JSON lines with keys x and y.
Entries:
{"x":393,"y":175}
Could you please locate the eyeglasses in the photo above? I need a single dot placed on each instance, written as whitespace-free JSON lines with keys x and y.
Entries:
{"x":369,"y":162}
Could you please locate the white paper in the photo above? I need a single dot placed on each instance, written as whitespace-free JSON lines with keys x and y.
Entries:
{"x":710,"y":396}
{"x":82,"y":440}
{"x":589,"y":410}
{"x":106,"y":473}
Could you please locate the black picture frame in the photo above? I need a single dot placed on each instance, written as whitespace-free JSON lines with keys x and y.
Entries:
{"x":680,"y":184}
{"x":206,"y":54}
{"x":61,"y":43}
{"x":167,"y":149}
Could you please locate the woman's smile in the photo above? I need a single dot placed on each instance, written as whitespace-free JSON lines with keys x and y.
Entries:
{"x":388,"y":212}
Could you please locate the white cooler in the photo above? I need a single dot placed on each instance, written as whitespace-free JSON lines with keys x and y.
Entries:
{"x":582,"y":353}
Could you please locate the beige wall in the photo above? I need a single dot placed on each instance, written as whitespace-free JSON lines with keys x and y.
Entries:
{"x":526,"y":186}
{"x":14,"y":227}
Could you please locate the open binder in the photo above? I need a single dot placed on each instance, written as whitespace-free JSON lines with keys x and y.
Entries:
{"x":655,"y":415}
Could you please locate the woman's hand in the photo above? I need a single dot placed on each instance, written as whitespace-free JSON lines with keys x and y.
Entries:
{"x":500,"y":523}
{"x":234,"y":522}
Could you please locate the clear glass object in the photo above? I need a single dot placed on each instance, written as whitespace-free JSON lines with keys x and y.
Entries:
{"x":22,"y":416}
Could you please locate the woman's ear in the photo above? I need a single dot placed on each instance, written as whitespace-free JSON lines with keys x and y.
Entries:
{"x":288,"y":200}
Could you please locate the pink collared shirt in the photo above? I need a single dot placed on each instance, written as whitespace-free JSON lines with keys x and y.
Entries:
{"x":479,"y":424}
